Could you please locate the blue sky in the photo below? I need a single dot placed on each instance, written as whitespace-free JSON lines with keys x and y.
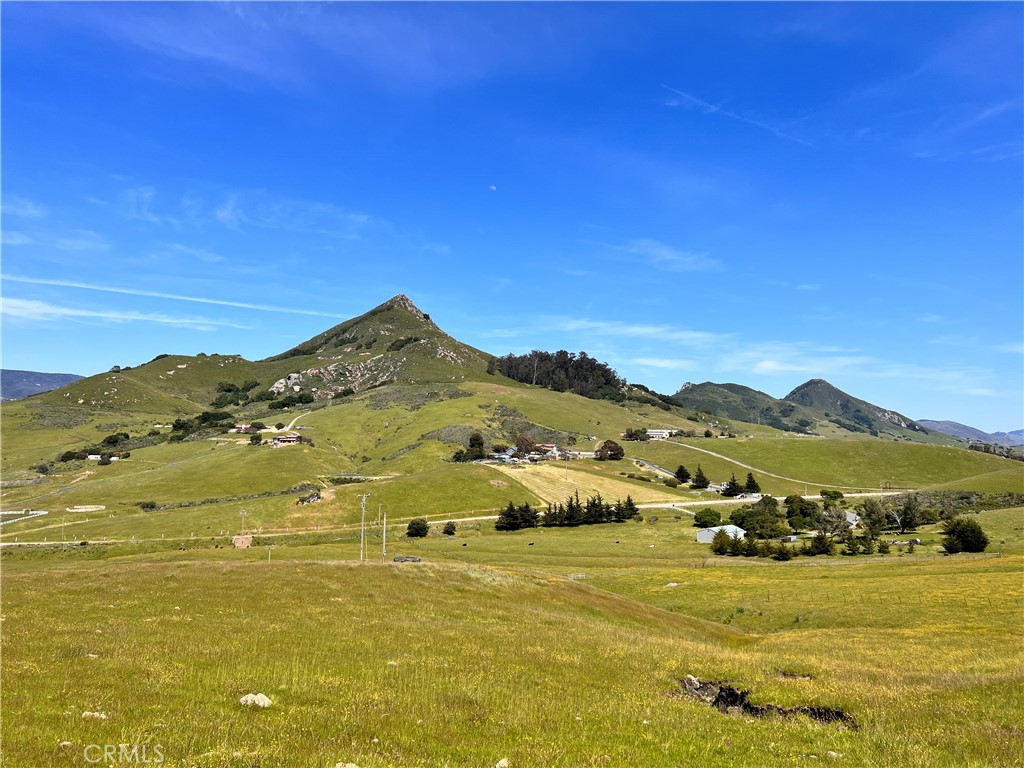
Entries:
{"x":760,"y":193}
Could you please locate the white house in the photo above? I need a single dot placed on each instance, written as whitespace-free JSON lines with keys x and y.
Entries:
{"x":705,"y":535}
{"x":659,"y":434}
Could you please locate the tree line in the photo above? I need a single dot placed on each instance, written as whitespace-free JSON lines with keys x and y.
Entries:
{"x":570,"y":514}
{"x":562,"y":371}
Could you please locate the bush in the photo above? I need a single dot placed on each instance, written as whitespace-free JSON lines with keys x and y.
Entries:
{"x":147,"y":505}
{"x":418,"y":528}
{"x":963,"y":534}
{"x":707,"y":518}
{"x":671,"y":482}
{"x":449,"y":528}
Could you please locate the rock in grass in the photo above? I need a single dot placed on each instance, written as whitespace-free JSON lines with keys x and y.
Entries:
{"x":345,"y":765}
{"x":255,"y":700}
{"x":94,"y":715}
{"x":503,"y":763}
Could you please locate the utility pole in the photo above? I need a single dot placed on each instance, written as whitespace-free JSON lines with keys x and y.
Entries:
{"x":362,"y":528}
{"x":384,"y":541}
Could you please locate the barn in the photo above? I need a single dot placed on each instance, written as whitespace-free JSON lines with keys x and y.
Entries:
{"x":705,"y":535}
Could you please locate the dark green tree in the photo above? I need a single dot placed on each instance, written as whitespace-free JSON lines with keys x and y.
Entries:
{"x":625,"y":510}
{"x":720,"y":544}
{"x":418,"y":528}
{"x":963,"y":534}
{"x":475,"y":452}
{"x":609,"y":450}
{"x":449,"y":528}
{"x":732,"y":488}
{"x":700,"y":480}
{"x":873,"y":517}
{"x":682,"y":474}
{"x":707,"y":518}
{"x":831,"y":498}
{"x":751,"y":486}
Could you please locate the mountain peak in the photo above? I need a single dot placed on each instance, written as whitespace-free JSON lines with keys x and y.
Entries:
{"x":401,"y":301}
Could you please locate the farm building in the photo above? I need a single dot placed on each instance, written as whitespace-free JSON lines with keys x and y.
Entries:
{"x":705,"y":535}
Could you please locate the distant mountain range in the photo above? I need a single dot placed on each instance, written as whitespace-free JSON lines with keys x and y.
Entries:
{"x":15,"y":385}
{"x":807,"y":409}
{"x":964,"y":432}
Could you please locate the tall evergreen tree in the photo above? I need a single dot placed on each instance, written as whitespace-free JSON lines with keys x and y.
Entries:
{"x":732,"y":488}
{"x":700,"y":480}
{"x":751,"y":486}
{"x":682,"y":474}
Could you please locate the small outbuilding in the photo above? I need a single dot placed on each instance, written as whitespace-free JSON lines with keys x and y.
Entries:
{"x":706,"y":535}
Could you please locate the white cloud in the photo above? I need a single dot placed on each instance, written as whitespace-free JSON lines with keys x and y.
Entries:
{"x":666,"y":363}
{"x":81,"y":240}
{"x":138,"y":205}
{"x":668,"y":259}
{"x":41,"y":311}
{"x":161,"y":295}
{"x":229,"y":214}
{"x":639,"y":330}
{"x":1014,"y":348}
{"x":687,"y":100}
{"x":22,"y":207}
{"x":11,"y":237}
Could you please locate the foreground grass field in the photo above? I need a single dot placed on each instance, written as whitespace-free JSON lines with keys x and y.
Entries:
{"x":488,"y":651}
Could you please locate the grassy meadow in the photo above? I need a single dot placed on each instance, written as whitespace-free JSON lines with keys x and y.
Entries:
{"x":542,"y":647}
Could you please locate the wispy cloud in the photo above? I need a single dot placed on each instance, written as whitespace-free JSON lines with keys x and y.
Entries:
{"x":161,"y":295}
{"x":671,"y":364}
{"x":262,"y":210}
{"x":668,"y":259}
{"x":684,"y":99}
{"x":81,"y":240}
{"x":138,"y":205}
{"x":22,"y":207}
{"x":12,"y":237}
{"x":41,"y":311}
{"x":179,"y":249}
{"x":638,"y":331}
{"x":230,"y":214}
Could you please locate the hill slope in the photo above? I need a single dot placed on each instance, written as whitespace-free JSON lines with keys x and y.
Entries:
{"x":853,"y":413}
{"x":735,"y":401}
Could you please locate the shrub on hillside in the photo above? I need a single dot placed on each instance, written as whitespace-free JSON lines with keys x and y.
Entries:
{"x":963,"y":534}
{"x":417,"y":528}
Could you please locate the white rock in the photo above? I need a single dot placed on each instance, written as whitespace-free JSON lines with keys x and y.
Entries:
{"x":94,"y":715}
{"x":833,"y":755}
{"x":255,"y":700}
{"x":503,"y":763}
{"x":345,"y":765}
{"x":672,"y":584}
{"x":65,"y":744}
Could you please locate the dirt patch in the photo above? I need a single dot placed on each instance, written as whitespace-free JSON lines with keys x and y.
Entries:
{"x":498,"y":483}
{"x":736,"y":701}
{"x":81,"y":476}
{"x":794,"y":675}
